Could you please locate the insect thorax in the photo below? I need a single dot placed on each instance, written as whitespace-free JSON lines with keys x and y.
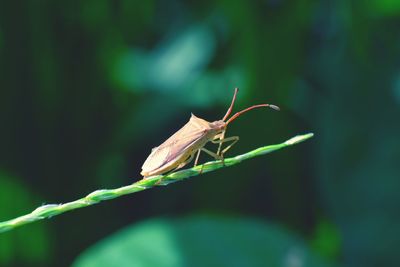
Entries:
{"x":218,"y":126}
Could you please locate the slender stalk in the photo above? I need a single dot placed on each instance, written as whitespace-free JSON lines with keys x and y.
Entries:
{"x":50,"y":210}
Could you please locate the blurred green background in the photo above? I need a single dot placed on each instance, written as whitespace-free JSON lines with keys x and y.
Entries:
{"x":87,"y":88}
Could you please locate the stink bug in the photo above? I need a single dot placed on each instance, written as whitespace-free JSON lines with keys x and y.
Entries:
{"x":180,"y":148}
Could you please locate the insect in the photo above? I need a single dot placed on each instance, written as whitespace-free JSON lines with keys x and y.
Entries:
{"x":180,"y":148}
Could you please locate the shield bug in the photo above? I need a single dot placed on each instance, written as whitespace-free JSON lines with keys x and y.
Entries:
{"x":180,"y":148}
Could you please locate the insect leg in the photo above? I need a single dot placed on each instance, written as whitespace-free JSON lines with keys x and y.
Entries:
{"x":196,"y":161}
{"x":224,"y":140}
{"x":197,"y":157}
{"x":220,"y":141}
{"x":212,"y":154}
{"x":185,"y":162}
{"x":178,"y":167}
{"x":234,"y":139}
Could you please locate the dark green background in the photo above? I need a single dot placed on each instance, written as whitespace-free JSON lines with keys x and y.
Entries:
{"x":87,"y":88}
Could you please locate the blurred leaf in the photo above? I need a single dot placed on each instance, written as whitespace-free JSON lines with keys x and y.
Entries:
{"x":201,"y":241}
{"x":327,"y":240}
{"x":173,"y":63}
{"x":384,"y":7}
{"x":27,"y":245}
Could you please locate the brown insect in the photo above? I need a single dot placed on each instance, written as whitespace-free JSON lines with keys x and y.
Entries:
{"x":180,"y":148}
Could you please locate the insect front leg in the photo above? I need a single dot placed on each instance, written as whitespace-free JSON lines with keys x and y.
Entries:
{"x":221,"y":137}
{"x":232,"y":139}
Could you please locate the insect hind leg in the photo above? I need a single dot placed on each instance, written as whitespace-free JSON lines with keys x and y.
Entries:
{"x":180,"y":166}
{"x":197,"y":158}
{"x":183,"y":164}
{"x":212,"y":154}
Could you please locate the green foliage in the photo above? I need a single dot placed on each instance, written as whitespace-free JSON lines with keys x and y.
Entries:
{"x":201,"y":241}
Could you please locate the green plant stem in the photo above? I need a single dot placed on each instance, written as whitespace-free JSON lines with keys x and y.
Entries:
{"x":50,"y":210}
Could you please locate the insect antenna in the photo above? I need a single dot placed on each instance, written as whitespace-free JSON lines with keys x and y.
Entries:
{"x":231,"y":106}
{"x":237,"y":114}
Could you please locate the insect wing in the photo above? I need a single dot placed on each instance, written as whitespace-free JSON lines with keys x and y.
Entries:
{"x":156,"y":158}
{"x":176,"y":145}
